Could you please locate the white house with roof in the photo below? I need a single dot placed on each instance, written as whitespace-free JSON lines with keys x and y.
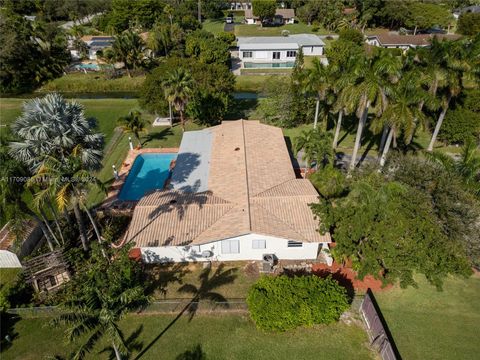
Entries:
{"x":277,"y":51}
{"x":282,"y":17}
{"x":233,"y":196}
{"x":94,"y":44}
{"x":405,"y":42}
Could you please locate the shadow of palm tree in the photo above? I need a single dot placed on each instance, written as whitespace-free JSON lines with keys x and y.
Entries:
{"x":160,"y":276}
{"x":204,"y":291}
{"x":132,"y":343}
{"x":160,"y":135}
{"x":195,"y":353}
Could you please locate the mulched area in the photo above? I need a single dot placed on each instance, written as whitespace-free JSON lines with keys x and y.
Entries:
{"x":348,"y":277}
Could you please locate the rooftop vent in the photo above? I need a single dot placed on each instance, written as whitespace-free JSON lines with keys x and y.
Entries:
{"x":237,"y":149}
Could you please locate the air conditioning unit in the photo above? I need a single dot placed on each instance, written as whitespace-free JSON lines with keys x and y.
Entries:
{"x":269,"y":261}
{"x":207,"y":254}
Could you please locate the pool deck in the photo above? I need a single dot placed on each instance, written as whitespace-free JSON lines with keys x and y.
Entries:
{"x":112,"y":202}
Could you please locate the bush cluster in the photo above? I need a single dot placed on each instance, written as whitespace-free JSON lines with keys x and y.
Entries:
{"x":282,"y":303}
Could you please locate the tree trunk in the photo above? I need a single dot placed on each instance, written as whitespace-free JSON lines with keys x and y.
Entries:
{"x":45,"y":220}
{"x":317,"y":106}
{"x":81,"y":226}
{"x":117,"y":353}
{"x":358,"y":138}
{"x":128,"y":71}
{"x":182,"y":120}
{"x":45,"y":232}
{"x":383,"y":139}
{"x":386,"y":147}
{"x":415,"y":121}
{"x":337,"y":129}
{"x":415,"y":31}
{"x":57,"y":223}
{"x":94,"y":224}
{"x":439,"y":124}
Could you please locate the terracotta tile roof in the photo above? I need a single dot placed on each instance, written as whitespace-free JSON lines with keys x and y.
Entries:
{"x":251,"y":189}
{"x":415,"y":40}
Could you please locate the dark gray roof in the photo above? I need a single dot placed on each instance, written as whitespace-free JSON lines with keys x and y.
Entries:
{"x":193,"y":162}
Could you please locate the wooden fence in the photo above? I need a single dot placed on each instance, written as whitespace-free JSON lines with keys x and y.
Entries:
{"x":377,"y":328}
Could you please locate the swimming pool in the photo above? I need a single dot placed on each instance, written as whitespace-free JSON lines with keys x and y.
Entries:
{"x":250,"y":65}
{"x":82,"y":66}
{"x":148,"y":172}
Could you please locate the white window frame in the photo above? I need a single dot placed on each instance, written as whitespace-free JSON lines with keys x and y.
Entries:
{"x":231,"y":246}
{"x":259,"y":244}
{"x":247,"y":54}
{"x":279,"y":55}
{"x":290,"y":52}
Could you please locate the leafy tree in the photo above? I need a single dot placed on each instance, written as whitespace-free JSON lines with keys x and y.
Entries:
{"x":102,"y":292}
{"x":264,"y":9}
{"x":319,"y":81}
{"x":159,"y":39}
{"x":329,"y":182}
{"x":449,"y":187}
{"x":388,"y":230}
{"x":128,"y":48}
{"x":51,"y":126}
{"x":425,"y":15}
{"x":316,"y":145}
{"x":212,"y":89}
{"x":133,"y":123}
{"x":202,"y":45}
{"x":460,"y":124}
{"x":469,"y":24}
{"x":32,"y":53}
{"x":281,"y":303}
{"x":178,"y":90}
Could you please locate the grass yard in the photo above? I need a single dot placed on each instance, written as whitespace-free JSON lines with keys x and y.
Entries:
{"x":214,"y":26}
{"x":257,"y":30}
{"x":216,"y":337}
{"x":252,"y":83}
{"x":93,"y":83}
{"x":428,"y":324}
{"x":8,"y":276}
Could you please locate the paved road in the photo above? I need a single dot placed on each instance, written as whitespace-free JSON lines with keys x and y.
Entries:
{"x":229,"y":27}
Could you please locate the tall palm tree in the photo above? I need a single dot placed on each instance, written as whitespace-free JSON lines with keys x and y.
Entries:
{"x":159,"y":39}
{"x":453,"y":59}
{"x":178,"y":90}
{"x":128,"y":48}
{"x":402,"y":111}
{"x":51,"y":126}
{"x":133,"y":123}
{"x":368,"y":83}
{"x":318,"y":81}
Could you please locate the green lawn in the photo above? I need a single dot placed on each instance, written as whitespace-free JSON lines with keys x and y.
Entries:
{"x":257,"y":30}
{"x":93,"y":83}
{"x":219,"y":337}
{"x":8,"y":276}
{"x":213,"y":26}
{"x":428,"y":324}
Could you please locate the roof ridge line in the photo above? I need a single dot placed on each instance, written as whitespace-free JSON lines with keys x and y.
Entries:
{"x":234,"y":205}
{"x":246,"y":175}
{"x":273,"y":187}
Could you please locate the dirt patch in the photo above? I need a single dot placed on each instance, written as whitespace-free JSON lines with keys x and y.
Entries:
{"x":348,"y":277}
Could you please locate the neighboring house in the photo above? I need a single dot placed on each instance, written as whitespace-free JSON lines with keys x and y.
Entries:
{"x":239,"y":5}
{"x":282,"y":17}
{"x":469,"y":9}
{"x":234,"y":196}
{"x":277,"y":51}
{"x":94,"y":44}
{"x":405,"y":42}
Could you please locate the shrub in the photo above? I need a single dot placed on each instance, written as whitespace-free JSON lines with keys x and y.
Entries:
{"x":329,"y":182}
{"x":459,"y":125}
{"x":469,"y":24}
{"x":282,"y":303}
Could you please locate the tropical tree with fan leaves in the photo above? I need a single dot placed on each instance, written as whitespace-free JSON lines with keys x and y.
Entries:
{"x":178,"y":91}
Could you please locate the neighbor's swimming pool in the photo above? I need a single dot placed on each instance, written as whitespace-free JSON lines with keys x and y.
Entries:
{"x":148,"y":172}
{"x":82,"y":66}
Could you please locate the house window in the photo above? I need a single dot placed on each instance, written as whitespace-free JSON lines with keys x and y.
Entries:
{"x":230,"y":247}
{"x":247,"y":54}
{"x":291,"y":53}
{"x":292,"y":243}
{"x":259,"y":244}
{"x":276,"y":55}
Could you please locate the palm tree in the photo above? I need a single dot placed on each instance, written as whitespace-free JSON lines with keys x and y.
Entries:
{"x":453,"y":60}
{"x":319,"y":81}
{"x":98,"y":298}
{"x":128,"y":48}
{"x":133,"y":123}
{"x":159,"y":39}
{"x":402,"y":111}
{"x":51,"y":126}
{"x":178,"y":90}
{"x":368,"y":83}
{"x":316,"y":145}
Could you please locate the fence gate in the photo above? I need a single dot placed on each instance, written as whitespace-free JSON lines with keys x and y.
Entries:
{"x":377,"y":328}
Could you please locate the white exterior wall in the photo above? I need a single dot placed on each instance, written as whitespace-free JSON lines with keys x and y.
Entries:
{"x":9,"y":260}
{"x":266,"y":56}
{"x":312,"y":50}
{"x":250,"y":21}
{"x":277,"y":246}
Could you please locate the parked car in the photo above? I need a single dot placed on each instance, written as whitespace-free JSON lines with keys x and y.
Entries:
{"x":229,"y":19}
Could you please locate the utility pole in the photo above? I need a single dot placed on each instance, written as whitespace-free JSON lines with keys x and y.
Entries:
{"x":200,"y":11}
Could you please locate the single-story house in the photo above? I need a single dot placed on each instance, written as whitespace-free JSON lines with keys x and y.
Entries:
{"x":282,"y":17}
{"x":277,"y":51}
{"x":94,"y":44}
{"x":405,"y":42}
{"x":468,"y":9}
{"x":233,"y":196}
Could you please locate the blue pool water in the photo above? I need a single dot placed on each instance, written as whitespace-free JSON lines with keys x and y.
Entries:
{"x":95,"y":67}
{"x":250,"y":65}
{"x":148,"y":172}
